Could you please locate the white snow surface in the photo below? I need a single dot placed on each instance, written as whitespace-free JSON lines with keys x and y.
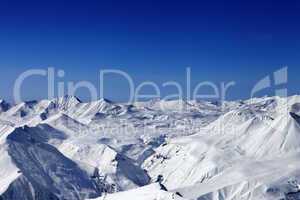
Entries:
{"x":150,"y":192}
{"x":198,"y":150}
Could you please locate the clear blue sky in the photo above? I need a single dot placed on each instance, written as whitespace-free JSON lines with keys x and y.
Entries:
{"x":151,"y":40}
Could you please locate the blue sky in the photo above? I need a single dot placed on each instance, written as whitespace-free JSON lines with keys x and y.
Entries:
{"x":240,"y":41}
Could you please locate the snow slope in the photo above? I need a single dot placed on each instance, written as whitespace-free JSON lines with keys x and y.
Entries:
{"x":44,"y":169}
{"x":150,"y":192}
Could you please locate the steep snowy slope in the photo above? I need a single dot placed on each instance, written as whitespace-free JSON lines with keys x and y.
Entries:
{"x":118,"y":169}
{"x":44,"y":173}
{"x":8,"y":170}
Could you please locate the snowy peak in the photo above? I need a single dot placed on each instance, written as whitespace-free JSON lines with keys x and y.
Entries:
{"x":66,"y":102}
{"x":23,"y":109}
{"x":4,"y":106}
{"x":70,"y":99}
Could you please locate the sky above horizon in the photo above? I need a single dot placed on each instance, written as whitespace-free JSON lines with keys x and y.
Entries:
{"x":221,"y":41}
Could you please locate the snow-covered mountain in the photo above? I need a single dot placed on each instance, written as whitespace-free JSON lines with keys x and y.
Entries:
{"x":4,"y":106}
{"x":67,"y":149}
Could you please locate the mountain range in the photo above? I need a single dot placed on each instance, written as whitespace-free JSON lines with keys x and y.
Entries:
{"x":187,"y":150}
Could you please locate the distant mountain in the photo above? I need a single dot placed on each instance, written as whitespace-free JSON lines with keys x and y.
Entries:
{"x":4,"y":106}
